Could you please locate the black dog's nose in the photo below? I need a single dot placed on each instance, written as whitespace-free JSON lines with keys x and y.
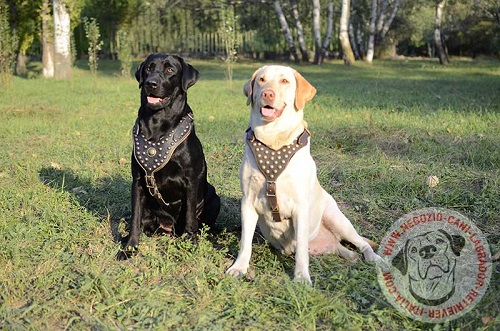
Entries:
{"x":427,"y":252}
{"x":151,"y":83}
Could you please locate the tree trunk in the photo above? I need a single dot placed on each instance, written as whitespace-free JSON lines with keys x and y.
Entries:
{"x":381,"y":18}
{"x":47,"y":41}
{"x":316,"y":31}
{"x":62,"y":40}
{"x":328,"y":35}
{"x":344,"y":33}
{"x":388,"y":22}
{"x":430,"y":50}
{"x":371,"y":39}
{"x":352,"y":38}
{"x":21,"y":69}
{"x":300,"y":31}
{"x":361,"y":43}
{"x":286,"y":30}
{"x":438,"y":18}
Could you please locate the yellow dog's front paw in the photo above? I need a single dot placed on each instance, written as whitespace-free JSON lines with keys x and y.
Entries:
{"x":370,"y":256}
{"x":302,"y":278}
{"x":236,"y":272}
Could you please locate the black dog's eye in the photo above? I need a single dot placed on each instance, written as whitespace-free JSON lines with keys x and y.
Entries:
{"x":149,"y":69}
{"x":169,"y":70}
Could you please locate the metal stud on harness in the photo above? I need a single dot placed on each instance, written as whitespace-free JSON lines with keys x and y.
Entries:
{"x":272,"y":163}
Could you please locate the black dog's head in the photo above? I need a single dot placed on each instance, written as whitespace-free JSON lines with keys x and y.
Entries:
{"x":163,"y":78}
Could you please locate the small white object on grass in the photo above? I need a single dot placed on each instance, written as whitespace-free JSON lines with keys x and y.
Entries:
{"x":432,"y":181}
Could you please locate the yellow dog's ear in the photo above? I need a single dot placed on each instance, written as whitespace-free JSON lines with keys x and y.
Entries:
{"x":248,"y":87}
{"x":304,"y":92}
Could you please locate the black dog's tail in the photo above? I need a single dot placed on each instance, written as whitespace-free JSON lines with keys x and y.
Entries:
{"x":209,"y":208}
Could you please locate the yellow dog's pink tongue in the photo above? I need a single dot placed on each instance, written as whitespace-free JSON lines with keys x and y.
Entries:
{"x":153,"y":100}
{"x":268,"y":112}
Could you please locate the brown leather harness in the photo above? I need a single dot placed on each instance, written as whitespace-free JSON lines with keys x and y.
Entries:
{"x":272,"y":163}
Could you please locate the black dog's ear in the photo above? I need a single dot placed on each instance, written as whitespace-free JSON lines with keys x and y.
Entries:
{"x":457,"y":242}
{"x":189,"y":74}
{"x":138,"y":74}
{"x":400,"y":260}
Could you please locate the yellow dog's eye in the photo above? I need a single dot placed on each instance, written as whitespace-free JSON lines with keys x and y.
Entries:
{"x":261,"y":79}
{"x":284,"y":81}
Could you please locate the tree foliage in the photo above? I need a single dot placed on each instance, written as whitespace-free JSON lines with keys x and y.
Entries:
{"x":469,"y":27}
{"x":93,"y":34}
{"x":8,"y":43}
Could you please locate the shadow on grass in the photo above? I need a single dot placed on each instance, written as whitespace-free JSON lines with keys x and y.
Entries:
{"x":109,"y":199}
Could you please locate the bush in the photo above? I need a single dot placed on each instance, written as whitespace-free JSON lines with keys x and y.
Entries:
{"x":8,"y":43}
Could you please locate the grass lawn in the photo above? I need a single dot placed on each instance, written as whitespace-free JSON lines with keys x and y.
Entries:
{"x":378,"y":131}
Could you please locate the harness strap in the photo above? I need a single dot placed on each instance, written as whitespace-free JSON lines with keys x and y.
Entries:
{"x":154,"y":156}
{"x":272,"y":163}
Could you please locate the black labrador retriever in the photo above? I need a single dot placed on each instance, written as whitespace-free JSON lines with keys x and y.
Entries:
{"x":170,"y":192}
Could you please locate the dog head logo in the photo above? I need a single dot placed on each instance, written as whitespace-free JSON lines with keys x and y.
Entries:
{"x":429,"y":261}
{"x":435,"y":265}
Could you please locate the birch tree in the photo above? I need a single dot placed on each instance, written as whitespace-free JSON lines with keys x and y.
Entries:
{"x":300,"y":31}
{"x":438,"y":18}
{"x":286,"y":30}
{"x":316,"y":31}
{"x":344,"y":33}
{"x":62,"y":40}
{"x":386,"y":22}
{"x":381,"y":19}
{"x":47,"y":41}
{"x":329,"y":31}
{"x":371,"y":38}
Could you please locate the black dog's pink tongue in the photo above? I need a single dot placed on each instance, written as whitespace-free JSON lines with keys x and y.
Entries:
{"x":153,"y":100}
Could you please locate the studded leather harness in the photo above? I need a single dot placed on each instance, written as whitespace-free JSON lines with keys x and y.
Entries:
{"x":272,"y":163}
{"x":154,"y":156}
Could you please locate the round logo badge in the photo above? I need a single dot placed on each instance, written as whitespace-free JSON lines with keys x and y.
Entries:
{"x":436,"y":265}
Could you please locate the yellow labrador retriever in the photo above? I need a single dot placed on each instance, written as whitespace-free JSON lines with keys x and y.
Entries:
{"x":280,"y":189}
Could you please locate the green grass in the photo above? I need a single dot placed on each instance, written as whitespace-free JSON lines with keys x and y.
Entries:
{"x":378,"y":131}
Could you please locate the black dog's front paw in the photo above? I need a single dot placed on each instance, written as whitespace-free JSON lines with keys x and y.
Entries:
{"x":126,"y":253}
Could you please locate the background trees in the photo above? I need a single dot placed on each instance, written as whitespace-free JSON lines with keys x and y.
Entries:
{"x":263,"y":29}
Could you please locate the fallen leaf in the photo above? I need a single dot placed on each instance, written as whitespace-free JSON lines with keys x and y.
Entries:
{"x":55,"y":166}
{"x":432,"y":181}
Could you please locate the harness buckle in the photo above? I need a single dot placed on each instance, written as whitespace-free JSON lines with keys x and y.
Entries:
{"x":271,"y":189}
{"x":150,"y":181}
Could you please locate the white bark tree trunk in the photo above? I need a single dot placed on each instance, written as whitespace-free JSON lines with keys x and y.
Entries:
{"x":316,"y":31}
{"x":329,"y":31}
{"x":62,"y":40}
{"x":388,"y":22}
{"x":344,"y":33}
{"x":438,"y":18}
{"x":371,"y":39}
{"x":47,"y":42}
{"x":286,"y":30}
{"x":381,"y":16}
{"x":300,"y":31}
{"x":352,"y":38}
